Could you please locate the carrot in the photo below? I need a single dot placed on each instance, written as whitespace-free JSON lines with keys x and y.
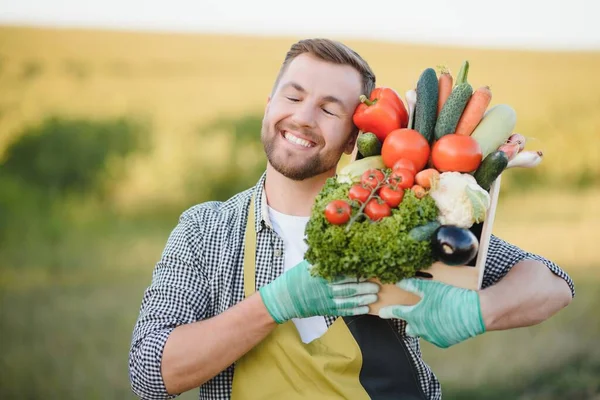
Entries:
{"x":425,"y":177}
{"x":474,"y":111}
{"x":419,"y":191}
{"x":444,"y":87}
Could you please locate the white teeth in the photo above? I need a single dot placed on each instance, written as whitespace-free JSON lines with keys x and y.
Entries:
{"x":297,"y":140}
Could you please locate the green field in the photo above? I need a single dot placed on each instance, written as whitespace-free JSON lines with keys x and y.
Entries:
{"x":84,"y":218}
{"x":66,"y":331}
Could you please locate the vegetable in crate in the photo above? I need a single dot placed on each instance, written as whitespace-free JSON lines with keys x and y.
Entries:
{"x":526,"y":159}
{"x":456,"y":153}
{"x":353,"y":171}
{"x":411,"y":101}
{"x":444,"y":88}
{"x":454,"y":245}
{"x":408,"y":144}
{"x":454,"y":105}
{"x":368,"y":145}
{"x":427,"y":102}
{"x":491,"y":168}
{"x":369,"y":246}
{"x":474,"y":111}
{"x":463,"y":72}
{"x":495,"y":128}
{"x":381,"y":113}
{"x":460,"y":200}
{"x":453,"y":109}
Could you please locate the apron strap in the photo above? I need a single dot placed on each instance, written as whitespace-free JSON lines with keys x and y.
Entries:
{"x":250,"y":253}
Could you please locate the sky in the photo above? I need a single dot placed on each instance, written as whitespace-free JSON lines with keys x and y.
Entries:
{"x":528,"y":24}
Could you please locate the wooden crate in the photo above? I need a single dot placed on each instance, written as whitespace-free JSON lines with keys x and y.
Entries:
{"x":466,"y":276}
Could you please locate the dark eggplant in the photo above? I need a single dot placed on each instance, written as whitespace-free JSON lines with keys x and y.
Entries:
{"x":454,"y":245}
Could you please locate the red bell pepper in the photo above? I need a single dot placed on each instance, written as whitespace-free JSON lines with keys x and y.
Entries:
{"x":382,"y":113}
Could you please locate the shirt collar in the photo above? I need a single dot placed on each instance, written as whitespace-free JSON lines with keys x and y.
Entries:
{"x":261,"y":212}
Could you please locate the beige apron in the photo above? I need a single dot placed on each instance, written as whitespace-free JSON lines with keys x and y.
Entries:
{"x":283,"y":367}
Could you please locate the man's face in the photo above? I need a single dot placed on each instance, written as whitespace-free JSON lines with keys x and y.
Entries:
{"x":308,"y":121}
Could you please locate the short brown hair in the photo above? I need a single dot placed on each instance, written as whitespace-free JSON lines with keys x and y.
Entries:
{"x":335,"y":52}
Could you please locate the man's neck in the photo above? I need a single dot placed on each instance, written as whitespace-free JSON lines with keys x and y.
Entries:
{"x":293,"y":197}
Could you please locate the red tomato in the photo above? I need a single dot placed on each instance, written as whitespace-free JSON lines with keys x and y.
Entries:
{"x":338,"y":212}
{"x":408,"y":144}
{"x":359,"y":192}
{"x":402,"y":178}
{"x":377,"y":209}
{"x":372,"y":177}
{"x":405,"y":164}
{"x":456,"y":153}
{"x":392,"y":195}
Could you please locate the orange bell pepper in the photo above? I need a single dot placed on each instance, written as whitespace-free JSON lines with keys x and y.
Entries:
{"x":381,"y":113}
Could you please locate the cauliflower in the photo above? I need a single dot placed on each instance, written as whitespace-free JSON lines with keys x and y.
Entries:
{"x":460,"y":200}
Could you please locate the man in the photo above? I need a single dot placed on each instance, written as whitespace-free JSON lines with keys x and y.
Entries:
{"x":233,"y":309}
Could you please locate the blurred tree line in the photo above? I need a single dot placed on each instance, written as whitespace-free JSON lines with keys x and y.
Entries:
{"x":62,"y":164}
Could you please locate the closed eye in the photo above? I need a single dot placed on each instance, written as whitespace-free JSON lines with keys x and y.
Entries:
{"x":292,"y":99}
{"x":328,"y":112}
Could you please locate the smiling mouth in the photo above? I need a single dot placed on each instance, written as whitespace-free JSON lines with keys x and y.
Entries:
{"x":296,"y":140}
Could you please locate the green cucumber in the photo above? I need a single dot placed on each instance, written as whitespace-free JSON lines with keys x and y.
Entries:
{"x":426,"y":106}
{"x":462,"y":74}
{"x":490,"y":169}
{"x":452,"y":110}
{"x":424,"y":232}
{"x":368,"y":144}
{"x":496,"y":126}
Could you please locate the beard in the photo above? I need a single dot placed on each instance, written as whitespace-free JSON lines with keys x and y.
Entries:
{"x":295,"y":166}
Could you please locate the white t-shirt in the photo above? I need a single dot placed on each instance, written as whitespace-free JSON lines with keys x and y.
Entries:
{"x":291,"y":230}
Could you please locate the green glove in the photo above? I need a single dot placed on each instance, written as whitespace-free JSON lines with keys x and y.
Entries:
{"x":298,"y":294}
{"x":445,"y":315}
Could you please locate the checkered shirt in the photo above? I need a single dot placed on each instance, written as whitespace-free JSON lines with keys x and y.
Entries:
{"x":200,"y":275}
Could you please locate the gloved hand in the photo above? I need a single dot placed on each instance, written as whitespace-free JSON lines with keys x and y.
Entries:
{"x":298,"y":294}
{"x":445,"y":315}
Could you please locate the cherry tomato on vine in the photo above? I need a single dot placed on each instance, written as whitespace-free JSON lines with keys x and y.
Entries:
{"x":338,"y":212}
{"x":376,"y":209}
{"x":405,"y":163}
{"x":359,"y":192}
{"x":372,"y":177}
{"x":392,"y":195}
{"x":402,"y":178}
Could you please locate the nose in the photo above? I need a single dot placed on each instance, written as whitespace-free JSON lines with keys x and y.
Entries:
{"x":304,"y":115}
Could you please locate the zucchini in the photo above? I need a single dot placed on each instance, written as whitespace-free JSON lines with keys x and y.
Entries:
{"x":496,"y":126}
{"x":424,"y":232}
{"x":353,"y":171}
{"x":490,"y":169}
{"x":452,"y":110}
{"x":426,"y":106}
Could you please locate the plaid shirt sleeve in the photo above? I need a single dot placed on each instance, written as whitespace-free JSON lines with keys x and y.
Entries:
{"x":174,"y":297}
{"x":502,"y":256}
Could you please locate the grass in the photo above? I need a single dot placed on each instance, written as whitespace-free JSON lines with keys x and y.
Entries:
{"x":66,"y":330}
{"x":575,"y":379}
{"x":70,"y":341}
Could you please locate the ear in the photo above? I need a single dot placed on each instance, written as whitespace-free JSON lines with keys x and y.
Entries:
{"x":351,"y":142}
